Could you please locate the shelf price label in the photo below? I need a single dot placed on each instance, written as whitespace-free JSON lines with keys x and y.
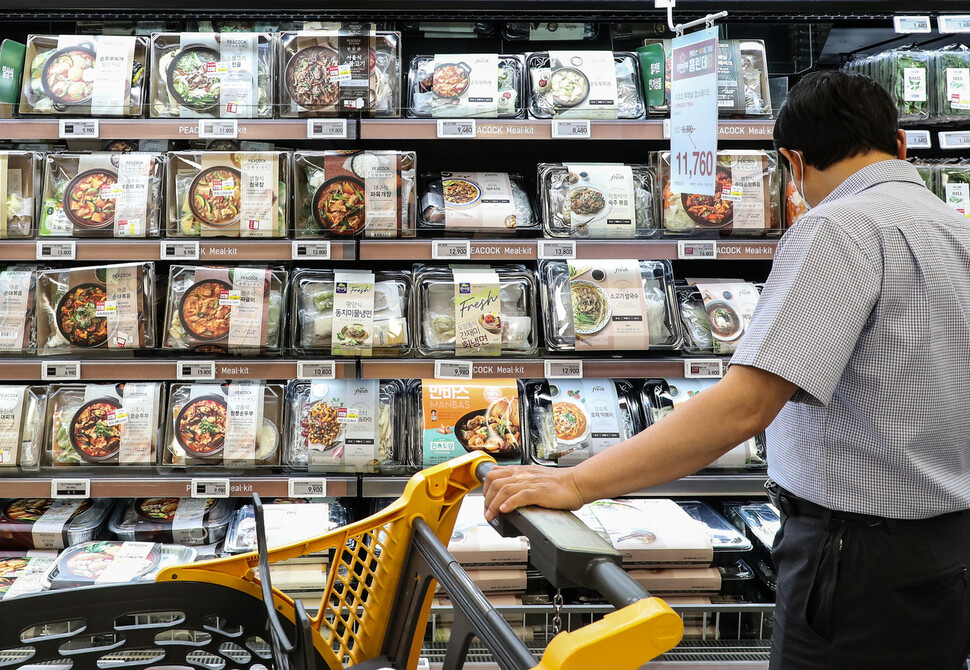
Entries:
{"x":61,"y":250}
{"x":70,"y":129}
{"x":548,"y":250}
{"x":316,"y":370}
{"x":218,"y":129}
{"x":453,"y":369}
{"x":918,"y":139}
{"x":692,"y":250}
{"x":704,"y":367}
{"x":954,"y":23}
{"x":193,"y":370}
{"x":571,"y":129}
{"x":693,"y":112}
{"x":451,"y":250}
{"x":912,"y":24}
{"x":209,"y":488}
{"x":173,"y":250}
{"x":306,"y":487}
{"x":569,"y":369}
{"x":316,"y":250}
{"x":326,"y":129}
{"x":60,"y":371}
{"x":955,"y":140}
{"x":457,"y":129}
{"x":70,"y":489}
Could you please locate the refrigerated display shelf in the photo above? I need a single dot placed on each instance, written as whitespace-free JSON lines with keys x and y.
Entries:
{"x":531,"y":368}
{"x":164,"y":129}
{"x":154,"y":369}
{"x":167,"y":485}
{"x":154,"y":250}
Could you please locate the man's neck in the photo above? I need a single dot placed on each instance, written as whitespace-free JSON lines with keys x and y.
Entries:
{"x":833,"y":177}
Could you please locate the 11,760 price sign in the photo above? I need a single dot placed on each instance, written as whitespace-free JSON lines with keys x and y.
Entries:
{"x":693,"y":112}
{"x":694,"y":163}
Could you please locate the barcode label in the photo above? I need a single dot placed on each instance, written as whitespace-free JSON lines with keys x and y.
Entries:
{"x":912,"y":24}
{"x":552,"y":250}
{"x":704,"y":367}
{"x":955,"y":23}
{"x":70,"y":488}
{"x":695,"y":249}
{"x":452,"y":369}
{"x":446,"y":250}
{"x":170,"y":250}
{"x":90,"y":128}
{"x":218,"y":129}
{"x":457,"y":128}
{"x":572,"y":369}
{"x":306,"y":488}
{"x":64,"y":250}
{"x":918,"y":139}
{"x":326,"y":129}
{"x":954,"y":140}
{"x":573,"y":129}
{"x":210,"y":488}
{"x":192,"y":370}
{"x":316,"y":370}
{"x":316,"y":250}
{"x":60,"y":371}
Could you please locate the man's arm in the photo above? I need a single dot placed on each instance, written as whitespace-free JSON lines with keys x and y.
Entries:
{"x":694,"y":435}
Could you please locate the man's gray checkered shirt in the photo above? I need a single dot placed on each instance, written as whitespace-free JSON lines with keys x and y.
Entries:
{"x":867,"y":311}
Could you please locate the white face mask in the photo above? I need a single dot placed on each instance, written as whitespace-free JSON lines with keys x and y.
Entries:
{"x":800,"y":185}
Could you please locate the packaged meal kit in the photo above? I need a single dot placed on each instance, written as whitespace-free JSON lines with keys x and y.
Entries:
{"x":227,"y":194}
{"x":22,"y":575}
{"x":233,"y":425}
{"x":22,"y":411}
{"x":18,"y":309}
{"x":475,"y":543}
{"x":348,"y":72}
{"x":344,"y":425}
{"x":612,"y":305}
{"x":678,"y":581}
{"x":729,"y":545}
{"x":552,"y":31}
{"x":100,"y":307}
{"x":584,"y":85}
{"x":225,"y":309}
{"x":221,"y":75}
{"x":350,"y":312}
{"x":715,"y":314}
{"x":44,"y":523}
{"x":84,"y":75}
{"x":19,"y":185}
{"x":483,"y":86}
{"x":113,"y":562}
{"x":104,"y":424}
{"x":599,"y":200}
{"x":194,"y":521}
{"x":475,"y":311}
{"x":102,"y":195}
{"x":746,"y":200}
{"x":660,"y":397}
{"x":572,"y":420}
{"x":345,"y":194}
{"x":284,"y":524}
{"x":490,"y":203}
{"x":454,"y":418}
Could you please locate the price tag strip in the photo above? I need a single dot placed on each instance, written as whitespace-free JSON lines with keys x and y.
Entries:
{"x":70,"y":489}
{"x":571,"y":129}
{"x":326,"y":129}
{"x":569,"y":369}
{"x":688,"y":250}
{"x":60,"y":371}
{"x":210,"y":488}
{"x":61,"y":250}
{"x":703,"y":368}
{"x":172,"y":250}
{"x":457,"y":129}
{"x":912,"y":24}
{"x":954,"y":23}
{"x":954,"y":140}
{"x":306,"y":487}
{"x":218,"y":129}
{"x":192,"y":370}
{"x":318,"y":250}
{"x":73,"y":129}
{"x":548,"y":250}
{"x":451,"y":369}
{"x":449,"y":250}
{"x":918,"y":139}
{"x":316,"y":370}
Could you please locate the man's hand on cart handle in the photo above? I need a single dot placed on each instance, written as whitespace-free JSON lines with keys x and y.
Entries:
{"x":508,"y":488}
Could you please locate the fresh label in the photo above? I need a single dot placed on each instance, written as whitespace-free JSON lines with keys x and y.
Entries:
{"x":582,"y":84}
{"x":601,"y":201}
{"x":132,"y":195}
{"x":747,"y":191}
{"x":478,"y":313}
{"x":237,"y":75}
{"x":609,"y":309}
{"x":586,"y":417}
{"x":353,"y":313}
{"x":958,"y":196}
{"x":139,"y":417}
{"x":340,"y":425}
{"x":478,"y":200}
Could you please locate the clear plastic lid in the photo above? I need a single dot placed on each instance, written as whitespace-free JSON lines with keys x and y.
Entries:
{"x":460,"y":85}
{"x":558,"y":87}
{"x":609,"y":305}
{"x":22,"y":412}
{"x":727,"y":541}
{"x":94,"y":563}
{"x":284,"y":524}
{"x":23,"y":575}
{"x":193,"y":521}
{"x":312,"y":301}
{"x":496,"y":305}
{"x":44,"y":523}
{"x":345,"y":426}
{"x":762,"y":523}
{"x":22,"y":190}
{"x":489,"y":203}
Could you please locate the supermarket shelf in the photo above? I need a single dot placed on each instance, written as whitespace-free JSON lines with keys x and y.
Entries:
{"x":526,"y":368}
{"x":519,"y":250}
{"x":529,"y":129}
{"x":695,"y":485}
{"x":107,"y":486}
{"x":152,"y":250}
{"x":162,"y":129}
{"x":153,"y":369}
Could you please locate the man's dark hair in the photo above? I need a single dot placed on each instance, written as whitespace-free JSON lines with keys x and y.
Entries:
{"x":833,"y":115}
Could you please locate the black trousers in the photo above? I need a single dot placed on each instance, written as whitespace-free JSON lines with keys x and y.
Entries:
{"x":855,"y":595}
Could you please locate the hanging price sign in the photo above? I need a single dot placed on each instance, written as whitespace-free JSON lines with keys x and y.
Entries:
{"x":693,"y":112}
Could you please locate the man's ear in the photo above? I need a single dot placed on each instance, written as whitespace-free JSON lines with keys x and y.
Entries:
{"x":901,"y":144}
{"x":796,"y":171}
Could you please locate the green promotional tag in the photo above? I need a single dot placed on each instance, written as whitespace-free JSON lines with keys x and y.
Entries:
{"x":11,"y":68}
{"x":652,"y":71}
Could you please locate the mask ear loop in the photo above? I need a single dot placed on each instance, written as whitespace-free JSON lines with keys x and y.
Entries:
{"x":801,"y":182}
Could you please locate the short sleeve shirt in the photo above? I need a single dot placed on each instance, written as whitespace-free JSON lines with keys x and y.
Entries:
{"x":867,"y":312}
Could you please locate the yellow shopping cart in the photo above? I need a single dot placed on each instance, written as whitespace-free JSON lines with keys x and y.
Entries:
{"x":224,"y":613}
